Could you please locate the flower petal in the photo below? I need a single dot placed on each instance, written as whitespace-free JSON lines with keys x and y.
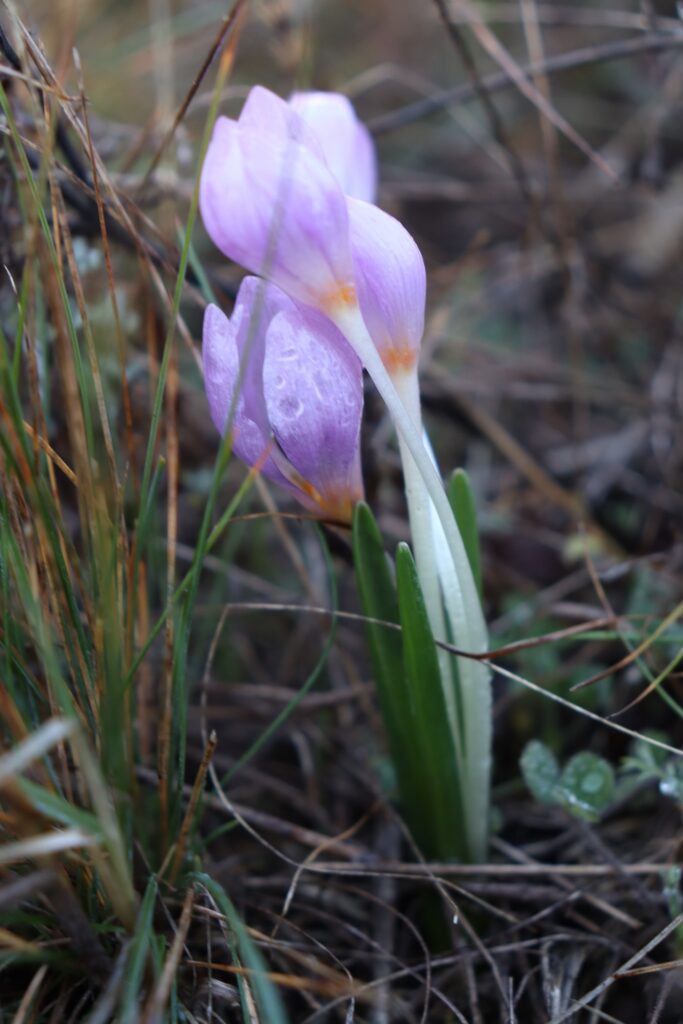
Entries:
{"x":265,"y":111}
{"x":391,"y":283}
{"x":270,"y":204}
{"x":314,"y":394}
{"x":256,"y":304}
{"x":345,"y":141}
{"x":221,"y":360}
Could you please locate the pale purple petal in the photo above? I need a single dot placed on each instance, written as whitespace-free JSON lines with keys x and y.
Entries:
{"x":270,"y":204}
{"x":264,"y":111}
{"x":221,"y":359}
{"x":298,"y":412}
{"x":391,"y":283}
{"x":256,"y":304}
{"x":345,"y":141}
{"x":314,"y":393}
{"x":221,"y":366}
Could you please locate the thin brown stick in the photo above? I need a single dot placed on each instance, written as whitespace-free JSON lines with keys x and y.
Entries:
{"x":499,"y":652}
{"x":227,"y":23}
{"x":320,"y":986}
{"x":586,"y":1000}
{"x":652,"y":43}
{"x":633,"y":655}
{"x":52,"y":455}
{"x":498,"y":128}
{"x":193,"y":802}
{"x":159,"y":997}
{"x":495,"y":49}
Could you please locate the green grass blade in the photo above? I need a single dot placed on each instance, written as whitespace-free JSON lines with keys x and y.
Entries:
{"x":267,"y":997}
{"x":282,"y":717}
{"x":378,"y":598}
{"x":139,"y":955}
{"x":54,"y":806}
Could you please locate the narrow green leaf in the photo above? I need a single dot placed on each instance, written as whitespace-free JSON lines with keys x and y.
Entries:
{"x":441,"y":828}
{"x":379,"y":601}
{"x":265,"y":993}
{"x":139,"y":953}
{"x":54,"y":806}
{"x":378,"y":597}
{"x":461,"y":497}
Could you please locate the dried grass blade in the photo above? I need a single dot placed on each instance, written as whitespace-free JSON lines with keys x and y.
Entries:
{"x":56,"y":841}
{"x":228,"y":21}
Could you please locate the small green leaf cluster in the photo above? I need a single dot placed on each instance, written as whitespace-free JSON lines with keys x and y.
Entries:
{"x":648,"y":762}
{"x":584,"y":787}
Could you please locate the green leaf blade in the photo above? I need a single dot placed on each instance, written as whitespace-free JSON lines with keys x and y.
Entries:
{"x":442,"y":823}
{"x":461,"y":497}
{"x":379,"y":601}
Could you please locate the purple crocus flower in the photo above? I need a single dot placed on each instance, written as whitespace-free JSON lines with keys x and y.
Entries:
{"x":345,"y":141}
{"x":297,"y":414}
{"x":270,"y":202}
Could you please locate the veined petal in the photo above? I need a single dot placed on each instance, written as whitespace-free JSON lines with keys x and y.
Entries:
{"x":391,"y":283}
{"x":269,"y":203}
{"x":314,"y":394}
{"x":298,"y":411}
{"x":256,"y":304}
{"x":345,"y":141}
{"x":221,"y":361}
{"x":221,"y":366}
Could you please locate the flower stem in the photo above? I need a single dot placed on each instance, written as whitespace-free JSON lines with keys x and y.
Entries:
{"x":475,"y":704}
{"x":443,"y":565}
{"x":472,"y":727}
{"x":351,"y":324}
{"x":422,"y":534}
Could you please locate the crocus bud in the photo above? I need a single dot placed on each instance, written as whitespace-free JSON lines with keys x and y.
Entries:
{"x":391,"y":284}
{"x":269,"y":201}
{"x":345,"y":141}
{"x":295,"y":410}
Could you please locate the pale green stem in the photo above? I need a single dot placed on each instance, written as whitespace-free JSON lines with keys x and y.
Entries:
{"x":421,"y":531}
{"x":441,"y":584}
{"x":440,"y":554}
{"x":352,"y":326}
{"x":476,"y":702}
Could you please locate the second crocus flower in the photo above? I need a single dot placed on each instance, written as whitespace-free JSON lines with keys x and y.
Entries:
{"x":283,"y":379}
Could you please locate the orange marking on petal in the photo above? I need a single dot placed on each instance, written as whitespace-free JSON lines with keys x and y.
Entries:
{"x":343,"y":295}
{"x":399,"y":360}
{"x":309,"y":490}
{"x":336,"y":505}
{"x":339,"y":506}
